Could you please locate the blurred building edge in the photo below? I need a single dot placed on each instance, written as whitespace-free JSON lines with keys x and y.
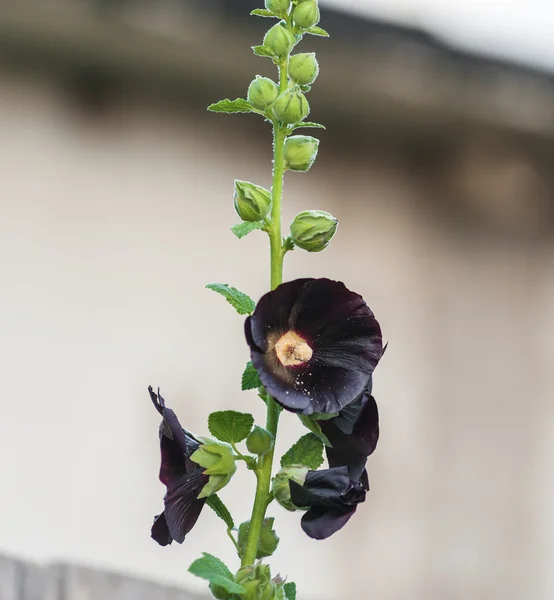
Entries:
{"x":482,"y":129}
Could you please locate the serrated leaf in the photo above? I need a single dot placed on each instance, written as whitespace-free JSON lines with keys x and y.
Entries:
{"x":216,"y":504}
{"x":307,"y":451}
{"x":262,"y":12}
{"x":242,"y":229}
{"x":315,"y":428}
{"x":242,"y":303}
{"x":230,"y":426}
{"x":290,"y":590}
{"x":268,"y":541}
{"x":231,"y":106}
{"x":317,"y":31}
{"x":250,"y":378}
{"x":262,"y":51}
{"x":309,"y":125}
{"x":213,"y":570}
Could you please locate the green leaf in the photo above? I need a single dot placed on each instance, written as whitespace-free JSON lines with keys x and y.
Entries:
{"x":290,"y":590}
{"x":262,"y":12}
{"x":262,"y":51}
{"x":242,"y":303}
{"x":317,"y":31}
{"x":309,"y":125}
{"x":231,"y":106}
{"x":307,"y":451}
{"x":250,"y":377}
{"x":230,"y":426}
{"x":245,"y":228}
{"x":315,"y":428}
{"x":215,"y":503}
{"x":269,"y":540}
{"x":213,"y":570}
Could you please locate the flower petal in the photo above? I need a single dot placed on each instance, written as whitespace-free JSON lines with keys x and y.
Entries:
{"x":319,"y":523}
{"x":182,"y":506}
{"x":160,"y":532}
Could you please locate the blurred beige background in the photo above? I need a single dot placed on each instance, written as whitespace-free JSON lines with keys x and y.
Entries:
{"x":115,"y":212}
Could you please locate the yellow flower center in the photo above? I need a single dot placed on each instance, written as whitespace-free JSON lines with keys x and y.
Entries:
{"x":292,"y":350}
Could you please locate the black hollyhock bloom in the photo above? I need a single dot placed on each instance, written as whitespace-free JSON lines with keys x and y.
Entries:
{"x":183,"y":478}
{"x":353,"y":434}
{"x":314,"y":344}
{"x":331,"y":498}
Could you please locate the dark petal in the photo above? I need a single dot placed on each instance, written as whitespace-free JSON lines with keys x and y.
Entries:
{"x":321,"y":488}
{"x":160,"y":532}
{"x":364,"y":480}
{"x":319,"y":523}
{"x":182,"y":506}
{"x":157,"y":400}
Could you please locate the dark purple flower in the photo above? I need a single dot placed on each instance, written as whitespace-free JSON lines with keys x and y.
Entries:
{"x":331,"y":498}
{"x":353,"y":434}
{"x":183,"y":478}
{"x":314,"y":344}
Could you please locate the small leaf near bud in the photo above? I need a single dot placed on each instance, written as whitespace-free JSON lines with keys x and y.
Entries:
{"x":262,"y":51}
{"x":219,"y":592}
{"x":252,"y":202}
{"x":303,"y":68}
{"x":300,"y":152}
{"x":278,"y":7}
{"x":312,"y":230}
{"x":279,"y":40}
{"x":260,"y":441}
{"x":291,"y":107}
{"x":262,"y":92}
{"x":306,"y":15}
{"x":281,"y":487}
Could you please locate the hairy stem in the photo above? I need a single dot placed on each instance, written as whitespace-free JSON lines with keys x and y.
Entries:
{"x":277,"y":254}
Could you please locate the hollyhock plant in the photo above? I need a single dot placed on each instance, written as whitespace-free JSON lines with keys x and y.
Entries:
{"x":313,"y":346}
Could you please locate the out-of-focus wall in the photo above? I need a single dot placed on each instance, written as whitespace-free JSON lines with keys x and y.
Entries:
{"x":110,"y":228}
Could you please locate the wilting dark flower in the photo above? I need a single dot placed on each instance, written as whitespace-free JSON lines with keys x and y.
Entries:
{"x":353,"y":434}
{"x":314,"y":344}
{"x":183,"y":478}
{"x":331,"y":498}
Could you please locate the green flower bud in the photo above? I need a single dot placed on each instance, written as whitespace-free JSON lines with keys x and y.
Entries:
{"x":278,"y":7}
{"x":279,"y":40}
{"x":218,"y":460}
{"x":260,"y":441}
{"x":300,"y":152}
{"x":306,"y":15}
{"x":303,"y":68}
{"x":219,"y":592}
{"x":281,"y":488}
{"x":257,"y":582}
{"x":252,"y":202}
{"x":262,"y":92}
{"x":268,"y":541}
{"x":291,"y":107}
{"x":312,"y":230}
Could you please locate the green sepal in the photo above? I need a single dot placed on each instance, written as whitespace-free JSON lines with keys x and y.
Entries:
{"x":219,"y":462}
{"x":307,"y":451}
{"x":262,"y":51}
{"x":230,"y":426}
{"x":315,"y":30}
{"x":307,"y":124}
{"x":214,"y":570}
{"x":315,"y":428}
{"x":216,"y":504}
{"x":242,"y":229}
{"x":288,"y":244}
{"x":250,"y":378}
{"x":240,"y":105}
{"x":269,"y":540}
{"x":242,"y":303}
{"x":290,"y":590}
{"x":263,"y":12}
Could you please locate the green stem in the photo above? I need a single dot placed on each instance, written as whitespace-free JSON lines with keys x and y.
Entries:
{"x":262,"y":498}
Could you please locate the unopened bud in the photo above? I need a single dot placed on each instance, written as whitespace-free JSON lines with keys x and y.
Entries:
{"x":257,"y":582}
{"x":252,"y":202}
{"x":278,"y":7}
{"x":303,"y":68}
{"x":218,"y":461}
{"x":281,"y":487}
{"x":300,"y":152}
{"x":306,"y":15}
{"x":262,"y":92}
{"x":279,"y":40}
{"x":260,"y":441}
{"x":291,"y":107}
{"x":219,"y":592}
{"x":312,"y":230}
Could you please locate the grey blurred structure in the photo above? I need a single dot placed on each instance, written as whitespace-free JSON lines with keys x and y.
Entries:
{"x":116,"y":187}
